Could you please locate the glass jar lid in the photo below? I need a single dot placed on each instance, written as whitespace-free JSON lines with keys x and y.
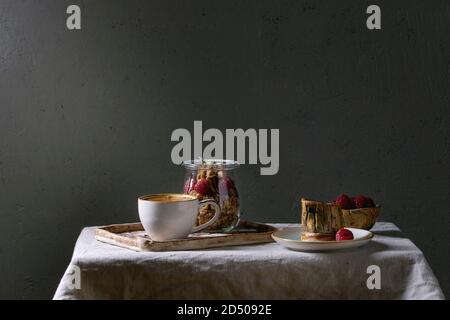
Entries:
{"x":218,"y":164}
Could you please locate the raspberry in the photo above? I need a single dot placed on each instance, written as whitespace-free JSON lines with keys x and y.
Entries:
{"x":344,"y":234}
{"x":369,"y":202}
{"x":202,"y":187}
{"x":360,"y":201}
{"x":344,"y":202}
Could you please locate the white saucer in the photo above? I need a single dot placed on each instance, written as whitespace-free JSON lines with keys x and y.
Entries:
{"x":290,"y":238}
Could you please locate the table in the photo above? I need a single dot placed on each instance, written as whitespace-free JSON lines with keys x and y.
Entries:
{"x":265,"y":271}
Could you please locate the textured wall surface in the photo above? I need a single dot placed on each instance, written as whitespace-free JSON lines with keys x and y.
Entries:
{"x":86,"y":116}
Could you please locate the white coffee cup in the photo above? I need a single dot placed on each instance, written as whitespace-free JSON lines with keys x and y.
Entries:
{"x":169,"y":216}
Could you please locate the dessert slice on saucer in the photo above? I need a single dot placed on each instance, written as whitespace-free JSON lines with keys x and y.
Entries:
{"x":322,"y":229}
{"x":319,"y":220}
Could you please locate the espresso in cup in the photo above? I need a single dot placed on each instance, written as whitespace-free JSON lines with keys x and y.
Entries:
{"x":169,"y":216}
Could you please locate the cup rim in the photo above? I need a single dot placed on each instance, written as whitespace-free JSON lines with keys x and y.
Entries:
{"x":187,"y":197}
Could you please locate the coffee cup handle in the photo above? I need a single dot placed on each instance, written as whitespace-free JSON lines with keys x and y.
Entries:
{"x":214,"y":219}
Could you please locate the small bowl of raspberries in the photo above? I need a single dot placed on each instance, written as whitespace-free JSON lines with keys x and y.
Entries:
{"x":358,"y":211}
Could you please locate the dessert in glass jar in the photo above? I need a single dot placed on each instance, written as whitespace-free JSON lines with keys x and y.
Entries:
{"x":214,"y":179}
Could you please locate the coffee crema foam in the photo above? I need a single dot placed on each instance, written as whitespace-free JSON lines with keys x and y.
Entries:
{"x":168,"y":197}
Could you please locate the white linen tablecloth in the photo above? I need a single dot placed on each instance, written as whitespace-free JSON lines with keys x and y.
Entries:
{"x":265,"y":271}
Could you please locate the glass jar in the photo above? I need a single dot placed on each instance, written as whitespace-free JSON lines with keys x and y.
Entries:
{"x":214,"y":179}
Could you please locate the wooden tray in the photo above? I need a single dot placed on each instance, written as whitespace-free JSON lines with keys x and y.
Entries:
{"x":132,"y":236}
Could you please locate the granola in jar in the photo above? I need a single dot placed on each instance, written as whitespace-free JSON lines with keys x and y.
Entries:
{"x":212,"y":179}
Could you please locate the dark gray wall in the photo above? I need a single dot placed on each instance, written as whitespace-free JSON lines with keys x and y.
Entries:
{"x":86,"y":117}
